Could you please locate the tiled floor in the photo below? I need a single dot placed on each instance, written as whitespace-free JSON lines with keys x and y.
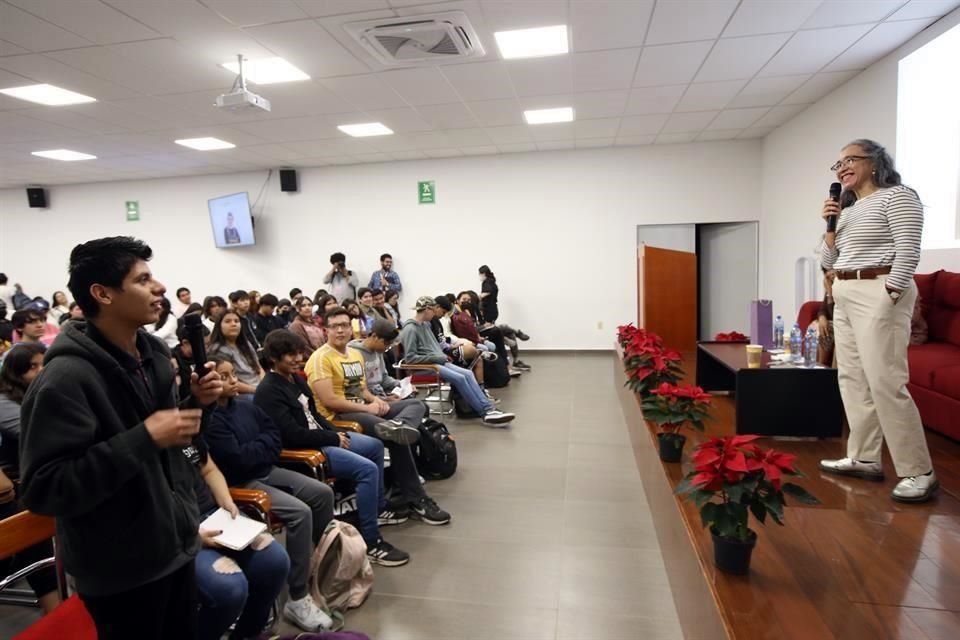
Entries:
{"x":551,"y":537}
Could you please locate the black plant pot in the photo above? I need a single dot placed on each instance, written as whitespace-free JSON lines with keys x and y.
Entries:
{"x":671,"y":446}
{"x":732,"y":555}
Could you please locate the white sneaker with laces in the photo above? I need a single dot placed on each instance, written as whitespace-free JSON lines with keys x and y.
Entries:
{"x":856,"y":468}
{"x":306,"y":614}
{"x":496,"y":418}
{"x":916,"y":488}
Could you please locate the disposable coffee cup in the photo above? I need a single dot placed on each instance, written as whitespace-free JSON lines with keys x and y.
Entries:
{"x":754,"y":355}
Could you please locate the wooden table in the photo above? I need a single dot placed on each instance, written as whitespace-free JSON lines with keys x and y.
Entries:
{"x":772,"y":401}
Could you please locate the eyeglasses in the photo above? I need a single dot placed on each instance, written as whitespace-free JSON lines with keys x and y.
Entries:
{"x":339,"y":326}
{"x":846,"y":162}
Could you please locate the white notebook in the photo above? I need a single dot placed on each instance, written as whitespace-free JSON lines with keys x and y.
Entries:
{"x":237,"y":532}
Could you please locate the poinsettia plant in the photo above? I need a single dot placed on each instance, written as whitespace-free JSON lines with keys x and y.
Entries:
{"x":732,"y":336}
{"x":732,"y":477}
{"x":647,"y":361}
{"x":671,"y":406}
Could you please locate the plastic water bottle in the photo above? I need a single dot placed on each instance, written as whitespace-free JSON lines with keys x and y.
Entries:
{"x":796,"y":343}
{"x":810,"y":348}
{"x":778,"y":333}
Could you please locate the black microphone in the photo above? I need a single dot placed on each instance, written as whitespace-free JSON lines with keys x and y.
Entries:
{"x":193,"y":327}
{"x":835,"y":190}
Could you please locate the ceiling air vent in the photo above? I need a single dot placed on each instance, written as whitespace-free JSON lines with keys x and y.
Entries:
{"x":436,"y":38}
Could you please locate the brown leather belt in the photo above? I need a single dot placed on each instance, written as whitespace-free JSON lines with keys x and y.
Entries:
{"x":863,"y":274}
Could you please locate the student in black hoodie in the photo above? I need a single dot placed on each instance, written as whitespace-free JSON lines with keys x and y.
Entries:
{"x":100,"y":450}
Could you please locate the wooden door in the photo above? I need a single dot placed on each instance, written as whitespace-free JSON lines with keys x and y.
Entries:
{"x":667,"y":295}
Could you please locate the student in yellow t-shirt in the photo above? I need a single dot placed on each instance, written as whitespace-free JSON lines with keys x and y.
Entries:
{"x":335,"y":373}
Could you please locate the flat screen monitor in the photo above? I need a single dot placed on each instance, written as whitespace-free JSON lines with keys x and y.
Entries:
{"x":231,"y":221}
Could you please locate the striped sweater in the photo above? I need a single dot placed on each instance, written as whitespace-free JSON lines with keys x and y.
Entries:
{"x":880,"y":230}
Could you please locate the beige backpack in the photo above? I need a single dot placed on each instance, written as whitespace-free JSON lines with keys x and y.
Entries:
{"x":341,"y":577}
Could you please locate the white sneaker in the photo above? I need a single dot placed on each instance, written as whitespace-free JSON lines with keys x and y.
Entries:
{"x":916,"y":488}
{"x":851,"y":467}
{"x":497,"y":418}
{"x":306,"y":614}
{"x":489,"y":356}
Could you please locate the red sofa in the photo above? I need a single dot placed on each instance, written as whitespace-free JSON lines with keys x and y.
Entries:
{"x":935,"y":365}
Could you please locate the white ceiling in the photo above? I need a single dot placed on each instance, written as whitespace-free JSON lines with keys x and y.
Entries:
{"x":639,"y":72}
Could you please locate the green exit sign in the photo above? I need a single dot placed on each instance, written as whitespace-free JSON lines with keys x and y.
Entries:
{"x":133,"y":210}
{"x":427,"y":192}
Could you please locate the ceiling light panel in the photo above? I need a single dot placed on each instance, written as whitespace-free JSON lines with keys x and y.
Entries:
{"x":64,"y":154}
{"x":533,"y":43}
{"x":365,"y":129}
{"x":47,"y":94}
{"x":267,"y":71}
{"x":205,"y":144}
{"x":546,"y":116}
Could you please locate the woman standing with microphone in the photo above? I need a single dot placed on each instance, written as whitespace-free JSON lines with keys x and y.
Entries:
{"x":874,"y":251}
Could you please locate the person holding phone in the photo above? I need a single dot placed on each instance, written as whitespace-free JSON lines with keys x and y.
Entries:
{"x":343,"y":282}
{"x":101,"y":440}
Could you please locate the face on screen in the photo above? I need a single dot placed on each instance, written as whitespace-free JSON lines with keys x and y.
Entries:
{"x":231,"y":221}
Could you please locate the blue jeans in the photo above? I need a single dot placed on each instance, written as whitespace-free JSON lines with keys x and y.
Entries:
{"x":464,"y":382}
{"x":244,"y":584}
{"x":362,"y":463}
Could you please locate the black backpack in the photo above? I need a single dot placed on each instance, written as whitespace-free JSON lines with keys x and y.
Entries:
{"x":461,"y":408}
{"x":436,"y":452}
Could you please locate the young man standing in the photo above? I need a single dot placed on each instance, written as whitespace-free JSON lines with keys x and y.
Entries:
{"x":336,"y":376}
{"x":386,"y":279}
{"x":343,"y":282}
{"x":101,"y":450}
{"x":420,"y":346}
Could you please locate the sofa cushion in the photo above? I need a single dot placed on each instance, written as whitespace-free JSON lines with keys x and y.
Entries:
{"x":943,"y":315}
{"x":925,"y":359}
{"x":925,"y":286}
{"x":946,"y":380}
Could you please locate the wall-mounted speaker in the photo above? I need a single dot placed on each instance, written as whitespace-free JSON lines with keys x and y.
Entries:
{"x":288,"y":180}
{"x":37,"y":197}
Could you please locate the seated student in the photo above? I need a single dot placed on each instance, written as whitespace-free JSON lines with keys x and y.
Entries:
{"x":183,"y":301}
{"x":241,"y":303}
{"x":393,"y":307}
{"x":29,"y":325}
{"x":247,"y":443}
{"x":264,"y":321}
{"x":165,"y":327}
{"x":420,"y":346}
{"x":6,"y":327}
{"x":285,"y":313}
{"x":326,"y":302}
{"x":285,"y":397}
{"x":303,"y":325}
{"x":495,"y":333}
{"x":229,"y":339}
{"x":365,"y":301}
{"x":358,"y":321}
{"x":462,"y":352}
{"x":58,"y":307}
{"x":335,"y":373}
{"x":20,"y":366}
{"x":295,"y":293}
{"x":213,"y":306}
{"x":232,"y":586}
{"x":379,"y":381}
{"x":379,"y":306}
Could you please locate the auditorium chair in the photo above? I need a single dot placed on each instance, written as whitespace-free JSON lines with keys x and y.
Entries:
{"x":71,"y":621}
{"x":427,"y":377}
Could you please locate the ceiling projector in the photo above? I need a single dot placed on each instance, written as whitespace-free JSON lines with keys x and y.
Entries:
{"x":242,"y":99}
{"x":239,"y":97}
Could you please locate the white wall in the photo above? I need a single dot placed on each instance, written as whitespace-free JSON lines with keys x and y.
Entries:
{"x":796,"y":178}
{"x":558,"y":228}
{"x":728,"y":277}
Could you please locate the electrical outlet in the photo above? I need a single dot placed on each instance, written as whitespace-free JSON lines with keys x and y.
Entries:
{"x":600,"y":324}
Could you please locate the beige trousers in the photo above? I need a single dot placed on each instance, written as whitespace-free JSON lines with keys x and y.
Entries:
{"x":872,"y":334}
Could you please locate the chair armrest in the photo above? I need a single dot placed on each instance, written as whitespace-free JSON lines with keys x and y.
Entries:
{"x":23,"y":530}
{"x":347,"y":425}
{"x":309,"y":457}
{"x":419,"y":367}
{"x":252,"y":498}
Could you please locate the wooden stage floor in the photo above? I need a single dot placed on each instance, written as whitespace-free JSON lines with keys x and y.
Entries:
{"x":858,"y":566}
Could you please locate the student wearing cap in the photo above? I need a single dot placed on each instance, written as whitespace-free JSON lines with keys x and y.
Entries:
{"x":420,"y":346}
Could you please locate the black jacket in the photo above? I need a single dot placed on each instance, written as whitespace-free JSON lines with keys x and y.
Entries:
{"x":126,"y":511}
{"x":279,"y":399}
{"x":262,"y":325}
{"x":243,"y":441}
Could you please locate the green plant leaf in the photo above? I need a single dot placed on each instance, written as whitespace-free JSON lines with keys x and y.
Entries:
{"x":701,"y":497}
{"x":799,"y":494}
{"x":774,"y":505}
{"x":709,"y":514}
{"x":759,"y":511}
